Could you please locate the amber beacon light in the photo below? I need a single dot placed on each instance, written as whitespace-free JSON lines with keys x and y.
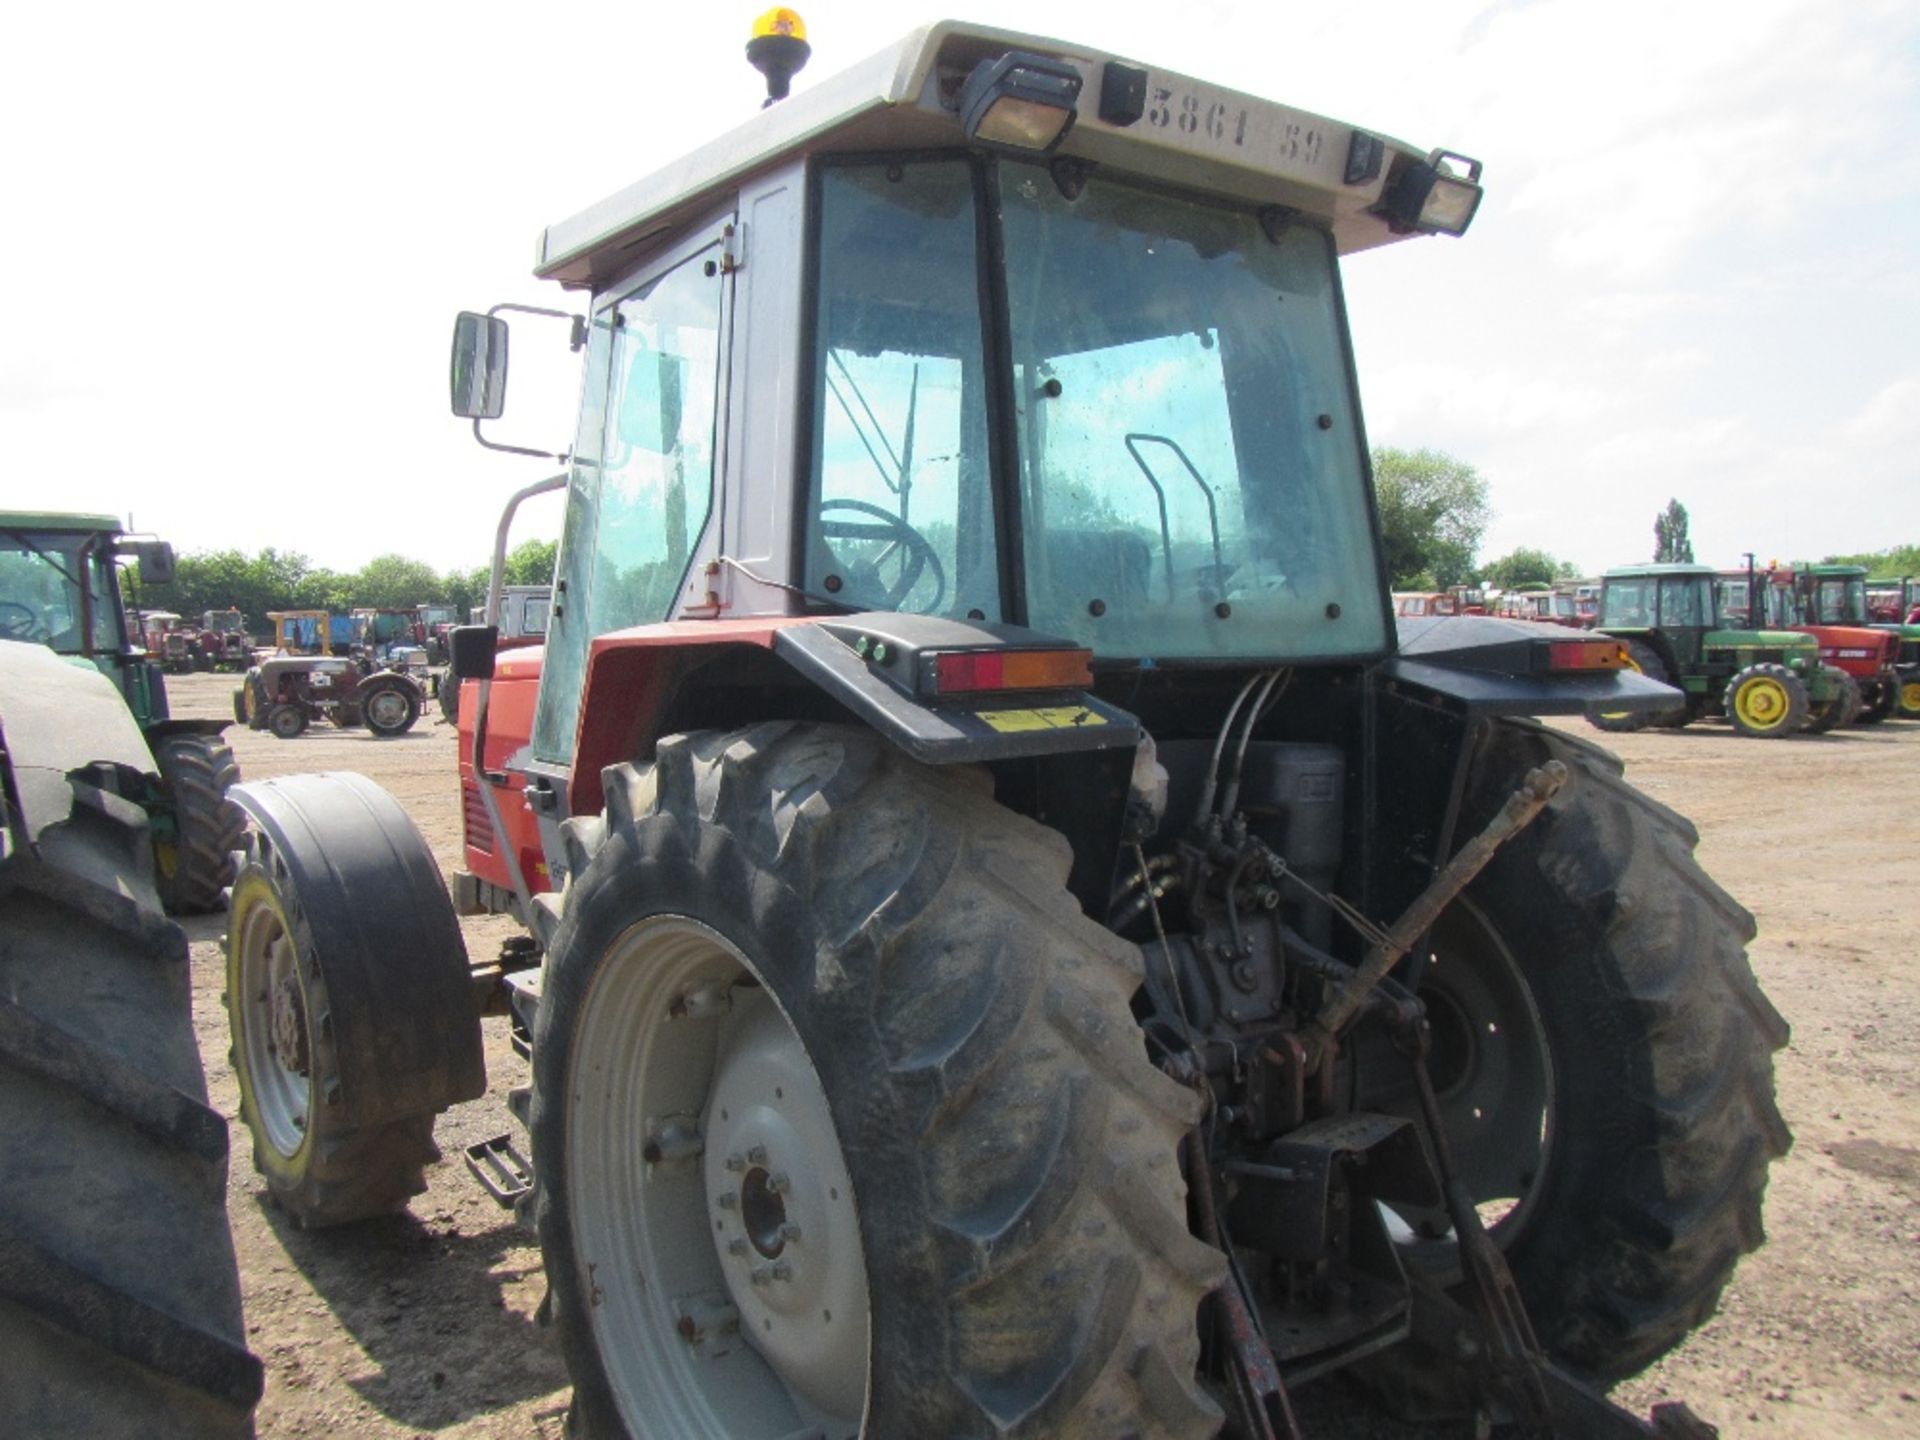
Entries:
{"x":779,"y":50}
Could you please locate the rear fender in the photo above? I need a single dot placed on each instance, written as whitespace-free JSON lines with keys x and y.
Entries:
{"x":641,"y":685}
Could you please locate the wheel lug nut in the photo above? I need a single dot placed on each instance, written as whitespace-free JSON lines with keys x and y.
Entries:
{"x":778,"y":1183}
{"x":761,"y":1274}
{"x":728,"y":1201}
{"x":757,"y":1155}
{"x":782,"y":1270}
{"x":789,"y":1231}
{"x":736,"y":1246}
{"x":736,"y":1162}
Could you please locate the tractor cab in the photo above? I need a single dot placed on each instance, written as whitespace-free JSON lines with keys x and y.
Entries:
{"x":60,"y":587}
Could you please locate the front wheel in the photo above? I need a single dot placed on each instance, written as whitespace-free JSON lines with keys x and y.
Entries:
{"x":1768,"y":702}
{"x":841,"y":1122}
{"x":194,"y":865}
{"x":1603,"y":1060}
{"x":1841,"y":707}
{"x":1907,"y":705}
{"x":287,"y":722}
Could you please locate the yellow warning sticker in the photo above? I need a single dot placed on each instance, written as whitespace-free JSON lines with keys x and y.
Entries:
{"x":1054,"y":717}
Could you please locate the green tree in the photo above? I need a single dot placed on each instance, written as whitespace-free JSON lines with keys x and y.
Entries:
{"x":1524,"y":567}
{"x":531,"y":562}
{"x":1670,"y":542}
{"x":1894,"y":562}
{"x":1433,"y":511}
{"x":390,"y":582}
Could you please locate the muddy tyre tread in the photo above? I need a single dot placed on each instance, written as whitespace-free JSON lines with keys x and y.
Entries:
{"x":120,"y":1308}
{"x":1035,"y":1137}
{"x":1678,"y":1200}
{"x":198,"y":771}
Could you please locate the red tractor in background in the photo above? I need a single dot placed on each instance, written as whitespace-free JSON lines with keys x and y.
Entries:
{"x":223,"y":642}
{"x":1828,"y":602}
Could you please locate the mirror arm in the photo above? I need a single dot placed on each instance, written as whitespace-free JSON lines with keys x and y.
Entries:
{"x":562,"y":458}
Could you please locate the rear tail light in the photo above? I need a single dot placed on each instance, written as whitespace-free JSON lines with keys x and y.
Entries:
{"x":1586,"y":655}
{"x":972,"y":672}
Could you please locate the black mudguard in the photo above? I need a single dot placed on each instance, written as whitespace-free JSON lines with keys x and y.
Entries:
{"x":369,"y":909}
{"x":1487,"y":667}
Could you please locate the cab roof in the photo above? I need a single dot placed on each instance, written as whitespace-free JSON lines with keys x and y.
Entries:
{"x":1240,"y":146}
{"x":1659,"y":569}
{"x":64,"y":523}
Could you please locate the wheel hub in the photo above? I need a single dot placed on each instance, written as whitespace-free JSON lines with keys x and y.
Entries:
{"x":387,"y":708}
{"x":290,"y":1024}
{"x":781,"y":1211}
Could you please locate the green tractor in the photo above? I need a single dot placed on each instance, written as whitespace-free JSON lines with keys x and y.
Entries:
{"x":60,"y":588}
{"x":1900,"y":599}
{"x":1768,"y":683}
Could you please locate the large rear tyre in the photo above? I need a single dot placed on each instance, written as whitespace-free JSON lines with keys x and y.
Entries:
{"x":1767,"y":701}
{"x":1604,"y":1062}
{"x":1646,"y":660}
{"x":389,"y":709}
{"x":194,"y":866}
{"x":349,"y":998}
{"x":119,"y":1294}
{"x":841,"y":1118}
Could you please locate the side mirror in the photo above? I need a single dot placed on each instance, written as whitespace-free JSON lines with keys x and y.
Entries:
{"x":470,"y":650}
{"x":479,"y":369}
{"x":156,"y":561}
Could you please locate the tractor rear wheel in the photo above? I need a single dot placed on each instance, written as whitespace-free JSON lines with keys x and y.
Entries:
{"x":1603,"y":1059}
{"x":388,"y":708}
{"x":1842,"y":708}
{"x":287,"y":722}
{"x":841,"y":1121}
{"x":119,"y":1295}
{"x":1646,"y":660}
{"x":194,"y":867}
{"x":1766,"y":701}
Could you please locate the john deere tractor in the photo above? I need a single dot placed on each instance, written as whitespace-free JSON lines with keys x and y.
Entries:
{"x":60,"y":588}
{"x":1016,"y":940}
{"x":1768,"y":683}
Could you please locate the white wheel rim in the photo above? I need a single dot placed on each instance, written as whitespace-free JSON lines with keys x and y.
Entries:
{"x":697,"y":1130}
{"x":273,"y":1033}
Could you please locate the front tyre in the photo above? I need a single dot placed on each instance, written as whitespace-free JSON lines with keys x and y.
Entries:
{"x":193,"y":867}
{"x":1767,"y":702}
{"x":841,"y":1119}
{"x":1840,"y":708}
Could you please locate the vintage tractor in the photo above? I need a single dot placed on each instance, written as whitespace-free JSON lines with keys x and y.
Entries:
{"x":119,"y":1295}
{"x":163,"y":634}
{"x":1016,"y":941}
{"x":1829,"y":602}
{"x":224,"y":643}
{"x":286,"y":693}
{"x":1768,"y":683}
{"x":60,"y":587}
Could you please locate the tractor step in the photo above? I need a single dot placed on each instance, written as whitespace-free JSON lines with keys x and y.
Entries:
{"x":501,"y":1169}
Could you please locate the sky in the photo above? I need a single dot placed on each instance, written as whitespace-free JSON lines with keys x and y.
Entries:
{"x":234,"y":238}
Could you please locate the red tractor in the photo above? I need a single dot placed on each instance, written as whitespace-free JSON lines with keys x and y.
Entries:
{"x":1017,"y":939}
{"x":1829,"y":603}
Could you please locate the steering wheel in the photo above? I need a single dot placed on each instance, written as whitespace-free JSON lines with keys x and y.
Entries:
{"x":18,"y":622}
{"x":916,"y":554}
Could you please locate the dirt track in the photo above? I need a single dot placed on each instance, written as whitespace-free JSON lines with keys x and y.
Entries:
{"x":424,"y":1323}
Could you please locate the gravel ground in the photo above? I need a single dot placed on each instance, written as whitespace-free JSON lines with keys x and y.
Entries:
{"x":423,"y":1323}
